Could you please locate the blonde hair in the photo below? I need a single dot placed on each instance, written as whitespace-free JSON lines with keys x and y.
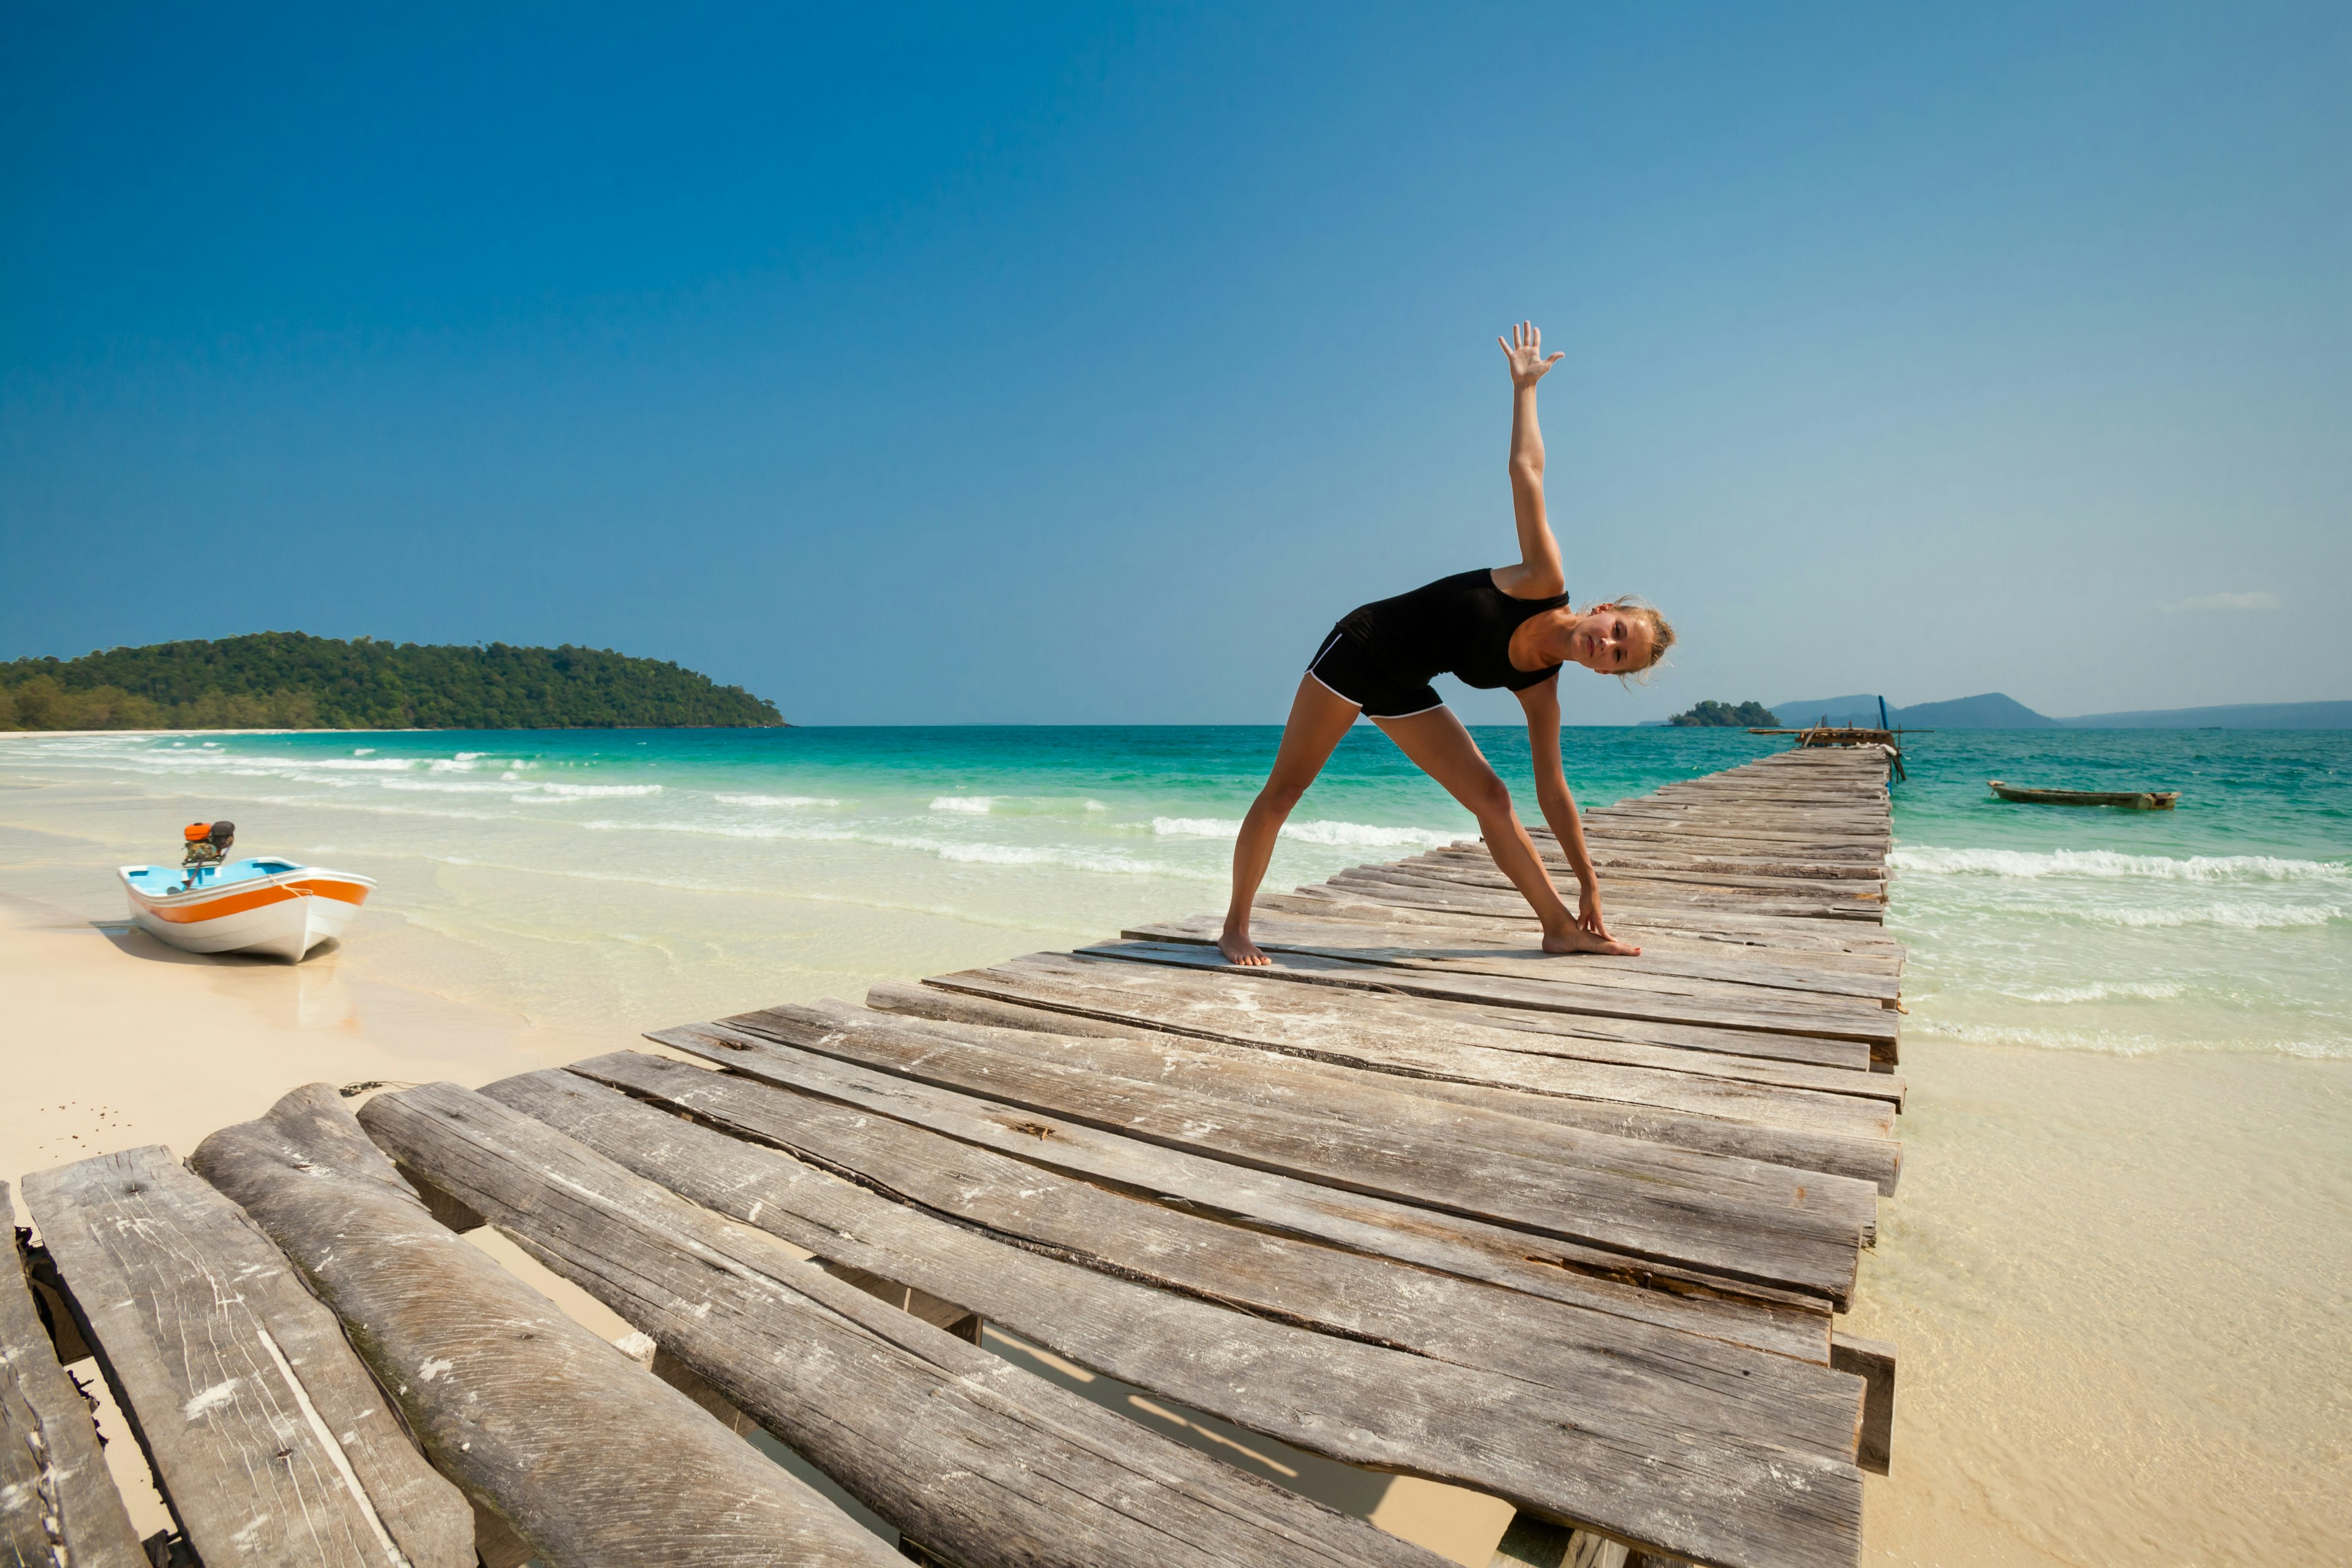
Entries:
{"x":1662,"y":632}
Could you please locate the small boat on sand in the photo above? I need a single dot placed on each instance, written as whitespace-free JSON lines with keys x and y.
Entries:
{"x":2130,"y":800}
{"x":209,"y":904}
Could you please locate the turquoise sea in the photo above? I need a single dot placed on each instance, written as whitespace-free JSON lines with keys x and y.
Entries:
{"x":822,"y":856}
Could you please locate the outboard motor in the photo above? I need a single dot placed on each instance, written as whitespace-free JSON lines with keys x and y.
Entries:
{"x":207,"y":842}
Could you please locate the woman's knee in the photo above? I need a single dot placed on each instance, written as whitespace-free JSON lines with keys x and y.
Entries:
{"x":1283,"y":791}
{"x":1488,"y":797}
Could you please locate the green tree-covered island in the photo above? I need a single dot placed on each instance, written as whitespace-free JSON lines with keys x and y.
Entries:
{"x":291,"y":680}
{"x":1724,"y":716}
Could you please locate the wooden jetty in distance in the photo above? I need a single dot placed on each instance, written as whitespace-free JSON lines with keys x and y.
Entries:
{"x":1827,"y":734}
{"x":1572,"y":1232}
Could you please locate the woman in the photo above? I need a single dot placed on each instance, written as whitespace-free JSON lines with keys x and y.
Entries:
{"x":1512,"y":626}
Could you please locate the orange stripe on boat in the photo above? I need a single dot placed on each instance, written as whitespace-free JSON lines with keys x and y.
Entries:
{"x":254,"y":899}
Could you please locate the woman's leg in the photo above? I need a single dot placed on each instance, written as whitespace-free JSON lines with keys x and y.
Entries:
{"x":1319,"y":718}
{"x":1442,"y":749}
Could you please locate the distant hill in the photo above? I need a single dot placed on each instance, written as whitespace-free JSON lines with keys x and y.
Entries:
{"x":1991,"y":711}
{"x":292,"y":680}
{"x":1994,"y":710}
{"x":1724,"y":716}
{"x":2234,"y":716}
{"x":1859,"y":711}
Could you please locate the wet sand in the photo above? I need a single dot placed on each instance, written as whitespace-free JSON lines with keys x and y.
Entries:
{"x":2122,"y":1287}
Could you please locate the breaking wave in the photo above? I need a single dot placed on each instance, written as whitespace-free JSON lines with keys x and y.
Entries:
{"x":2107,"y":863}
{"x":1345,"y":835}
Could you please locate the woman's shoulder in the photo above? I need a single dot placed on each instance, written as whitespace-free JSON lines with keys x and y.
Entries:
{"x":1520,"y":581}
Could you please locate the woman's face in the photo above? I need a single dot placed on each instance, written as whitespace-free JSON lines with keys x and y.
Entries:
{"x":1608,"y":641}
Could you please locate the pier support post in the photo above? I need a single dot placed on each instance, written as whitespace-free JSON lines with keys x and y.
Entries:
{"x":1533,"y":1542}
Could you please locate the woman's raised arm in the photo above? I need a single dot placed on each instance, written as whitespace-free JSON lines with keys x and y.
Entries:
{"x":1539,"y":574}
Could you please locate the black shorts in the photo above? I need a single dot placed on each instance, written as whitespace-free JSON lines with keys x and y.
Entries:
{"x":1348,"y":668}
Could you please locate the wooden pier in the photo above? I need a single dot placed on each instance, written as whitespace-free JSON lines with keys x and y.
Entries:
{"x":1573,"y":1232}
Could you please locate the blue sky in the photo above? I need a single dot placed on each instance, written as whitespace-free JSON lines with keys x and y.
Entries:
{"x":1036,"y":363}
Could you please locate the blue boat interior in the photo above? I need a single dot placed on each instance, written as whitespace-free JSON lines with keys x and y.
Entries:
{"x":158,"y":882}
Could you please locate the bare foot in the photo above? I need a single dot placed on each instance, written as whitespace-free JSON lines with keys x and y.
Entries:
{"x":1576,"y":939}
{"x":1238,"y":949}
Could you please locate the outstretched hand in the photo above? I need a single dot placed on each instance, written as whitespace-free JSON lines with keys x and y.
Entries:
{"x":1523,"y":348}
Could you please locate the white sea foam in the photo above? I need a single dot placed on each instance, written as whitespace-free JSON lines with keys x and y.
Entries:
{"x":1196,"y":826}
{"x":2116,"y":1042}
{"x":1350,"y":835}
{"x":777,"y":800}
{"x":1934,"y":859}
{"x":2242,"y":916}
{"x":972,"y":804}
{"x":349,"y":764}
{"x":592,"y":791}
{"x":1070,"y":856}
{"x":1355,"y":835}
{"x":455,"y":786}
{"x":1051,"y":854}
{"x":2100,"y":991}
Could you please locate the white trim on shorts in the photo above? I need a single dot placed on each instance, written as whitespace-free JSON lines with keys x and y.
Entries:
{"x":1333,"y":689}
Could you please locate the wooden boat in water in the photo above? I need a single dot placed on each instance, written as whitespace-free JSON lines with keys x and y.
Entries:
{"x":264,"y":906}
{"x":2130,"y":800}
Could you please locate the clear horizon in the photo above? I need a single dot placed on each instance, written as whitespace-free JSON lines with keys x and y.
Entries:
{"x":1080,"y":366}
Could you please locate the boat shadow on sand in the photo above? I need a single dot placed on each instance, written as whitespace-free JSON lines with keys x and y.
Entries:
{"x":133,"y":943}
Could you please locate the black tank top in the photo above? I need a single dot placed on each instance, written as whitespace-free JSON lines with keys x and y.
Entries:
{"x":1460,"y":625}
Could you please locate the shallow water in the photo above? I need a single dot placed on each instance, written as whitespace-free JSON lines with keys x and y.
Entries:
{"x":2115,"y":1267}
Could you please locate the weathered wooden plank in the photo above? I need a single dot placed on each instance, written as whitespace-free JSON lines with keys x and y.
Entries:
{"x":1739,"y":1218}
{"x":1688,"y":1381}
{"x":1333,"y":974}
{"x":1211,"y":1000}
{"x":980,"y":1462}
{"x":1412,"y":1041}
{"x":1454,"y":893}
{"x":1703,"y":891}
{"x":1798,"y":1128}
{"x":1872,"y":1360}
{"x":1437,"y":925}
{"x":1813,"y":942}
{"x":1858,"y":901}
{"x":58,"y":1508}
{"x":1581,"y":1421}
{"x":267,"y":1437}
{"x":1656,"y":967}
{"x":1727,"y":880}
{"x":1671,"y":1295}
{"x":1702,"y":834}
{"x":1876,"y":1027}
{"x":1368,"y":1110}
{"x":585,"y":1454}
